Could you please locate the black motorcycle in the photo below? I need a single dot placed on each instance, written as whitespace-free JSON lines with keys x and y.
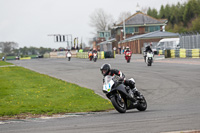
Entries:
{"x":121,"y":96}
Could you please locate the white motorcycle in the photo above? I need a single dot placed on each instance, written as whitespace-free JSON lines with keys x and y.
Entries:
{"x":95,"y":57}
{"x":149,"y":58}
{"x":69,"y":55}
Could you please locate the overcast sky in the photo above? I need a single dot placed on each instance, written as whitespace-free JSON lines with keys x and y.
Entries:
{"x":29,"y":22}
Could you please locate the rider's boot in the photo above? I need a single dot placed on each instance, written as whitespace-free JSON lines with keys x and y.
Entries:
{"x":137,"y":93}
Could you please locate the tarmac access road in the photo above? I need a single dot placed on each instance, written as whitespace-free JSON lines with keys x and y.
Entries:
{"x":170,"y":86}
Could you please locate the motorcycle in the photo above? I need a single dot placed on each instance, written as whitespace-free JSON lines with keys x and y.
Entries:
{"x":90,"y":56}
{"x":122,"y":97}
{"x":69,"y":55}
{"x":128,"y":56}
{"x":149,"y":58}
{"x":95,"y":57}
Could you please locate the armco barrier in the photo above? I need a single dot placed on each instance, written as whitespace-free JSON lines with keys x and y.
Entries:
{"x":182,"y":53}
{"x":61,"y":54}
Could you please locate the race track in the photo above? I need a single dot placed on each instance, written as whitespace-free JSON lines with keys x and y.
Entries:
{"x":171,"y":88}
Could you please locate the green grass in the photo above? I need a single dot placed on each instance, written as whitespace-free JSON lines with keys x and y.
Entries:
{"x":3,"y":63}
{"x":25,"y":91}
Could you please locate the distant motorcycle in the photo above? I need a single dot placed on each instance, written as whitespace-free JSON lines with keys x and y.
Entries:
{"x":128,"y":56}
{"x":90,"y":56}
{"x":149,"y":58}
{"x":95,"y":57}
{"x":121,"y":96}
{"x":69,"y":55}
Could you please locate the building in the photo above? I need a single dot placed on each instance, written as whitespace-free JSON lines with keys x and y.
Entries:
{"x":137,"y":42}
{"x":135,"y":26}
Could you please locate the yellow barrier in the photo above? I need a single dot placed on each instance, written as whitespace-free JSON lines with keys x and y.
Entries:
{"x":195,"y":53}
{"x":160,"y":52}
{"x":182,"y":53}
{"x":25,"y":58}
{"x":102,"y":55}
{"x":172,"y":52}
{"x":85,"y":55}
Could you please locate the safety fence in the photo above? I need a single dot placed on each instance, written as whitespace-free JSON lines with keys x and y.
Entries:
{"x":190,"y":40}
{"x":181,"y":53}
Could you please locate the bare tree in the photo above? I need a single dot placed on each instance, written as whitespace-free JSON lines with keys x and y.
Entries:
{"x":8,"y":47}
{"x":123,"y":15}
{"x":100,"y":20}
{"x":144,"y":10}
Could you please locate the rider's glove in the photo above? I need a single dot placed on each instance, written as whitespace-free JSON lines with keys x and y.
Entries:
{"x":121,"y":80}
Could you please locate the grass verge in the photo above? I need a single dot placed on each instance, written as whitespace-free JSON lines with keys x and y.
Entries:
{"x":3,"y":63}
{"x":24,"y":91}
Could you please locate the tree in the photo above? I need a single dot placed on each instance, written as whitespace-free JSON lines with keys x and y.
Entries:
{"x":162,"y":12}
{"x":144,"y":10}
{"x":100,"y":20}
{"x":152,"y":12}
{"x":196,"y":24}
{"x":123,"y":15}
{"x":8,"y":47}
{"x":167,"y":11}
{"x":149,"y":12}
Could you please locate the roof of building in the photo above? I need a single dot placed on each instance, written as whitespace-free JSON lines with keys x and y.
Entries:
{"x":140,"y":18}
{"x":155,"y":34}
{"x":108,"y":41}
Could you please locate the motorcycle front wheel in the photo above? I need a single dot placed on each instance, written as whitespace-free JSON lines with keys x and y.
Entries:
{"x":119,"y":103}
{"x":142,"y":105}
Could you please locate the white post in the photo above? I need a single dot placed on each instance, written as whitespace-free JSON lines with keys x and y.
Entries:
{"x":124,"y":28}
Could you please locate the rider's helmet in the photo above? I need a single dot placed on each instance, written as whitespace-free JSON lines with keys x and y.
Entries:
{"x":105,"y":69}
{"x":127,"y":48}
{"x":68,"y":49}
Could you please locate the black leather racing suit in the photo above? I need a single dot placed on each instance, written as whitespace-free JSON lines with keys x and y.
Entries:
{"x":147,"y":49}
{"x":129,"y":83}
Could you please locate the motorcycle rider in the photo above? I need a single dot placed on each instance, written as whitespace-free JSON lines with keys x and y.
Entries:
{"x":127,"y":50}
{"x":90,"y":53}
{"x":106,"y":70}
{"x":68,"y":52}
{"x":94,"y":51}
{"x":147,"y":49}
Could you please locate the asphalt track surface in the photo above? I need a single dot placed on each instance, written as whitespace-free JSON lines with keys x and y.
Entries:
{"x":171,"y":88}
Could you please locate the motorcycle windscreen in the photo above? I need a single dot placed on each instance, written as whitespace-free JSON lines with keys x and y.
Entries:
{"x":149,"y":55}
{"x":108,"y":83}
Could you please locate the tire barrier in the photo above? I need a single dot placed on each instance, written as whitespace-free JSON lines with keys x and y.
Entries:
{"x":161,"y":52}
{"x":195,"y":53}
{"x":109,"y":54}
{"x":182,"y":53}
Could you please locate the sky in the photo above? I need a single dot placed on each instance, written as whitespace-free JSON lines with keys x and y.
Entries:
{"x":30,"y":22}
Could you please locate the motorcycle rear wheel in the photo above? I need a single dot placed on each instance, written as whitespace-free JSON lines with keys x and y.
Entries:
{"x":119,"y":103}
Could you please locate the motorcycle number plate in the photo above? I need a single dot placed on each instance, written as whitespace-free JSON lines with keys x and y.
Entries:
{"x":107,"y":87}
